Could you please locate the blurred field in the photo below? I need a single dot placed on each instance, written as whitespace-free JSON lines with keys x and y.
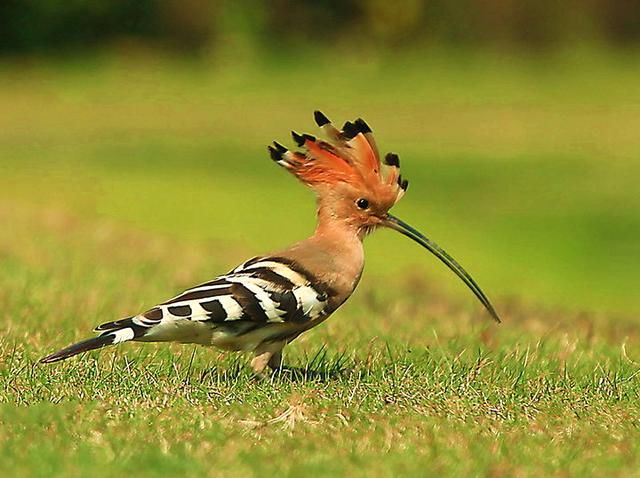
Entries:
{"x":525,"y":170}
{"x":124,"y":181}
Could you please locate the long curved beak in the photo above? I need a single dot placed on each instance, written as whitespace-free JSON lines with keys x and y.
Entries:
{"x":405,"y":229}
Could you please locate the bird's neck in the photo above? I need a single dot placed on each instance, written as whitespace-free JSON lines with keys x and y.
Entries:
{"x":334,"y":254}
{"x":341,"y":237}
{"x":328,"y":226}
{"x":339,"y":257}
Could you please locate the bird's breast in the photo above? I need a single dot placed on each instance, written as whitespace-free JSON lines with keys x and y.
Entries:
{"x":335,"y":269}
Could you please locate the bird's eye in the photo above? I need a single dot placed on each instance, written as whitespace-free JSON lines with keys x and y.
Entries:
{"x":362,"y":203}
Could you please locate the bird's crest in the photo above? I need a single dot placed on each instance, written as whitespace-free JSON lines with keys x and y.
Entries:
{"x":349,"y":155}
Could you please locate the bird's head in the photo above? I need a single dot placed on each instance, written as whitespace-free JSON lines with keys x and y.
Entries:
{"x":355,"y":187}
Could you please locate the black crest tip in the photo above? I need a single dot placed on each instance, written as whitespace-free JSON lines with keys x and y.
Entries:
{"x":275,"y":154}
{"x":298,"y":138}
{"x":362,"y":126}
{"x":320,"y":118}
{"x":392,"y":159}
{"x":349,"y":130}
{"x":281,"y":149}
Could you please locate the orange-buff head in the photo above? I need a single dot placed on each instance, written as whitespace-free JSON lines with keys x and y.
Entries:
{"x":352,"y":184}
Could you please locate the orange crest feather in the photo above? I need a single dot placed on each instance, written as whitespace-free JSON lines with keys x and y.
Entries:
{"x":350,"y":156}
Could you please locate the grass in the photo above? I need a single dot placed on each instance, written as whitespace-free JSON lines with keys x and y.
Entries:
{"x":124,"y":182}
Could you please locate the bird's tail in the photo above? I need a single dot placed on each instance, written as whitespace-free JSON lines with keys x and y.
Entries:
{"x":127,"y":331}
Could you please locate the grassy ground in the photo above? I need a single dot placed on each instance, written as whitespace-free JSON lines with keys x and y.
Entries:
{"x":124,"y":182}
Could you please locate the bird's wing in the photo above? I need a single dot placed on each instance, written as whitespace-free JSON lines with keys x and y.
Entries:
{"x":261,"y":290}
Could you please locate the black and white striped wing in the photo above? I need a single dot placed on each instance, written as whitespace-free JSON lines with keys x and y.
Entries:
{"x":261,"y":290}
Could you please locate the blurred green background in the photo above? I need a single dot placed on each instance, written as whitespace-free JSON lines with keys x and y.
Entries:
{"x":517,"y":124}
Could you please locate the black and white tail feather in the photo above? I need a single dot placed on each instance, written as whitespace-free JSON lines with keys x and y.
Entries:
{"x":230,"y":311}
{"x":106,"y":338}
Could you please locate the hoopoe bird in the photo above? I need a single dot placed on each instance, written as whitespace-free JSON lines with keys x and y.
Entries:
{"x":268,"y":301}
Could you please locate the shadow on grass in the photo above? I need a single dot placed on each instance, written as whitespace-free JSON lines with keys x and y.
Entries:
{"x":299,"y":374}
{"x":318,"y":368}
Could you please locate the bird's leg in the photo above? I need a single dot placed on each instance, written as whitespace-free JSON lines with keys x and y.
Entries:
{"x":275,"y":362}
{"x":260,"y":361}
{"x":267,"y":354}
